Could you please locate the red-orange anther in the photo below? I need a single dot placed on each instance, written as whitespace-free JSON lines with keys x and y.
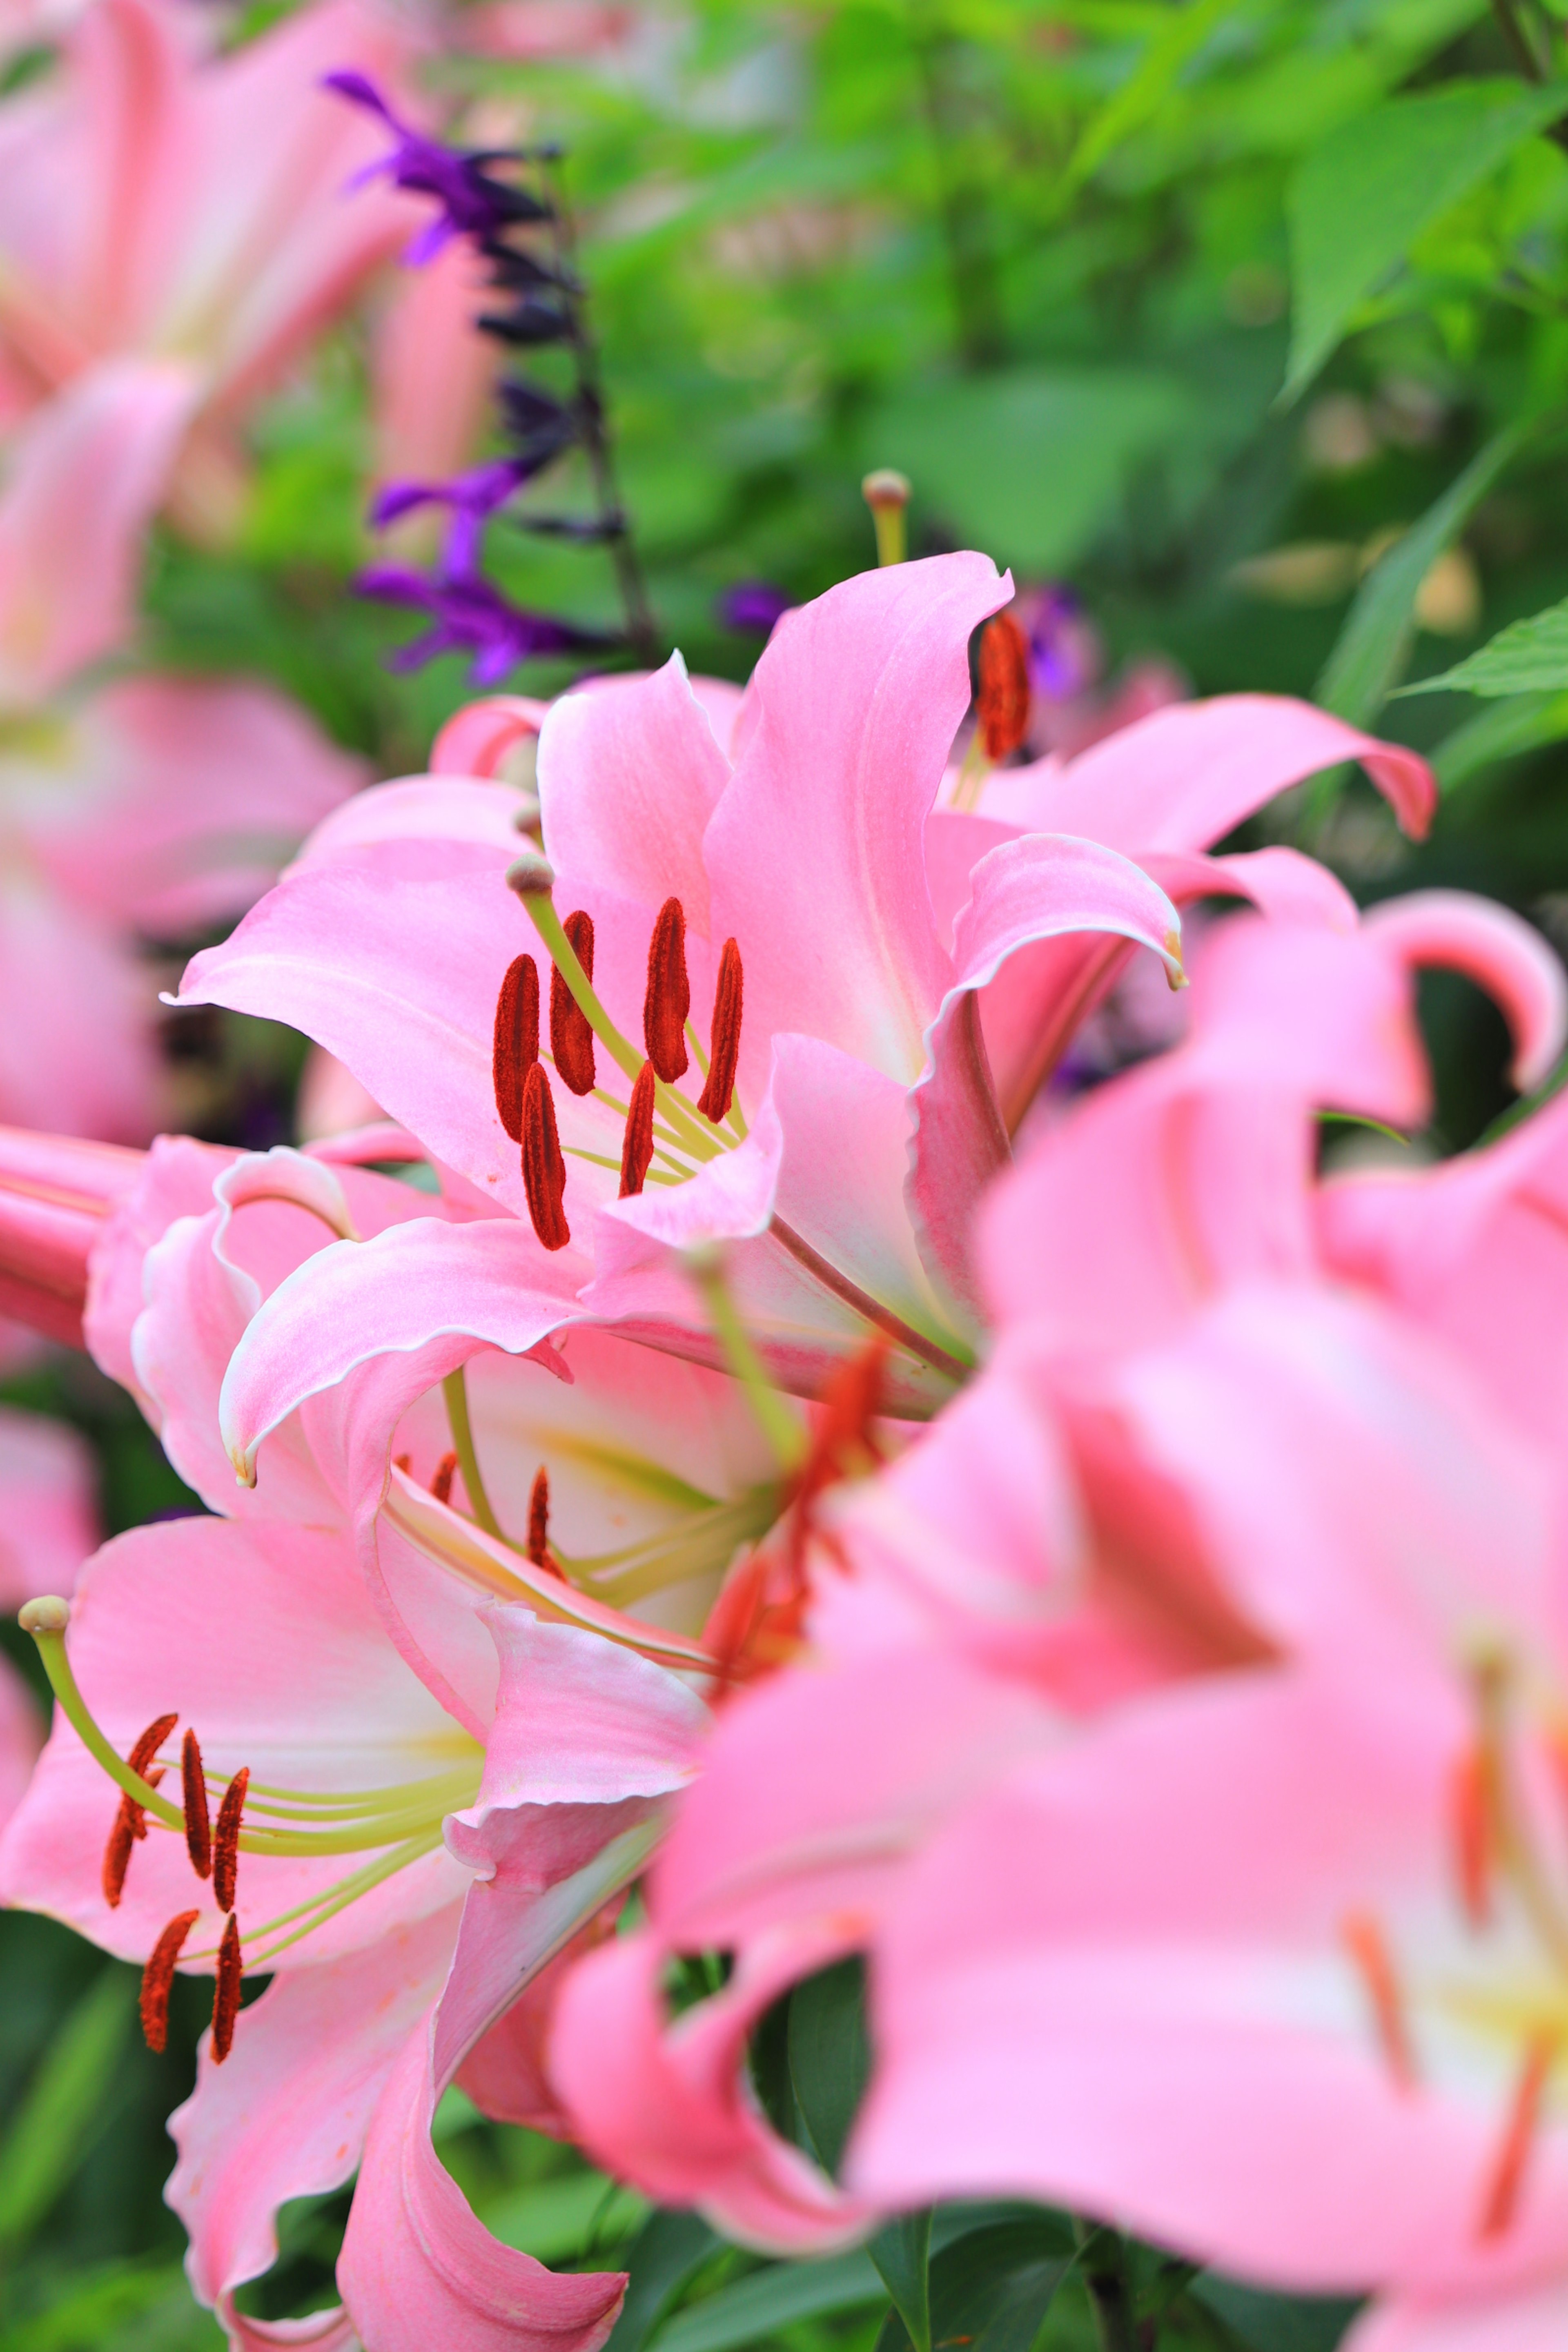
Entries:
{"x":571,"y":1038}
{"x":225,"y":1839}
{"x":159,"y":1975}
{"x":1365,"y":1942}
{"x":637,"y":1144}
{"x":1500,"y":2202}
{"x":441,"y":1485}
{"x":667,"y":999}
{"x":544,"y":1167}
{"x":198,"y":1827}
{"x":1003,"y":686}
{"x":728,"y":997}
{"x":538,"y":1544}
{"x":516,"y":1040}
{"x":1473,"y":1826}
{"x":225,"y":1990}
{"x":130,"y":1820}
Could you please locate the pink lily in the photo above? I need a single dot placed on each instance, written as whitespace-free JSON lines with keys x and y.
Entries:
{"x":1307,"y":2026}
{"x":460,"y":1659}
{"x":160,"y":204}
{"x":144,"y":808}
{"x":846,"y":1186}
{"x":1037,"y":1559}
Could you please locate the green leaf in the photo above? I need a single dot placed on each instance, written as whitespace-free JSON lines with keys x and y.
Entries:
{"x":992,"y":2288}
{"x":828,"y":2057}
{"x":670,"y":2248}
{"x":901,"y":2252}
{"x":1520,"y":724}
{"x":553,"y":2220}
{"x":1359,"y":201}
{"x":1146,"y":89}
{"x":1374,"y":643}
{"x":129,"y":2304}
{"x":1527,"y":658}
{"x":65,"y":2106}
{"x":1275,"y":2323}
{"x":770,"y":2299}
{"x":1031,"y":463}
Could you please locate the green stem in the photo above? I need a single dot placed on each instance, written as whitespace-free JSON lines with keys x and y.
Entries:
{"x":776,"y":1422}
{"x":1105,"y":2280}
{"x":455,"y":1389}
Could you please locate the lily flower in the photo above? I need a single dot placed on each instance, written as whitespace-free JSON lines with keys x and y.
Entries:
{"x":495,"y":1699}
{"x":1273,"y":1969}
{"x":138,"y":808}
{"x":1047,"y":1556}
{"x":163,"y":205}
{"x":796,"y":910}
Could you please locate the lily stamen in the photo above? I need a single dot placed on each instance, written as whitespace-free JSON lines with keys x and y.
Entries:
{"x":158,"y":1976}
{"x":225,"y":1839}
{"x":516,"y":1046}
{"x":1501,"y":2201}
{"x":667,"y":999}
{"x":571,"y":1034}
{"x":130,"y":1820}
{"x":198,"y":1825}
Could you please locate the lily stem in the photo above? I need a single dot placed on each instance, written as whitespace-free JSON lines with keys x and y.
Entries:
{"x":455,"y":1389}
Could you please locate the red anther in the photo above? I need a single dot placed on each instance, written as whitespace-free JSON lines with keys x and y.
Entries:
{"x":516,"y":1040}
{"x":404,"y":1462}
{"x":570,"y":1037}
{"x":543,"y":1168}
{"x":718,"y":1092}
{"x":225,"y":1990}
{"x":1367,"y":1947}
{"x":844,"y":1444}
{"x":198,"y":1827}
{"x":225,"y":1839}
{"x":637,"y":1145}
{"x":1473,"y":1821}
{"x":1003,"y":686}
{"x":130,"y":1820}
{"x":159,"y":1975}
{"x":1501,"y":2201}
{"x":441,"y":1485}
{"x":667,"y":1000}
{"x":130,"y":1823}
{"x":538,"y":1544}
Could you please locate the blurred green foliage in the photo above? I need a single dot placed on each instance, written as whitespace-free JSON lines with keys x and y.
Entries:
{"x":1247,"y":318}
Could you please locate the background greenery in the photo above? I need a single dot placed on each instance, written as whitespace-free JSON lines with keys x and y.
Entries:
{"x":1249,"y":318}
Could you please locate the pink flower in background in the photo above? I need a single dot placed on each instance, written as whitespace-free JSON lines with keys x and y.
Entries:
{"x":1049,"y":1552}
{"x":1273,"y":1969}
{"x":144,"y":808}
{"x":160,"y":204}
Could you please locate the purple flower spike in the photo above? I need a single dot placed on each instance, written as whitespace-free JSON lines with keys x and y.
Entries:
{"x":753,"y":606}
{"x":472,"y":617}
{"x":472,"y":202}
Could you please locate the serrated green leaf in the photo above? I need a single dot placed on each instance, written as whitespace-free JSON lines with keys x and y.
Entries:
{"x":1360,"y":200}
{"x":1028,"y":464}
{"x":770,"y":2299}
{"x":63,"y":2108}
{"x":1376,"y":640}
{"x":1529,"y":657}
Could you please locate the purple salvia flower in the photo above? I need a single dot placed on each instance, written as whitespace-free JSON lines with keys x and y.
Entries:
{"x":472,"y":202}
{"x":753,"y":606}
{"x":471,"y":616}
